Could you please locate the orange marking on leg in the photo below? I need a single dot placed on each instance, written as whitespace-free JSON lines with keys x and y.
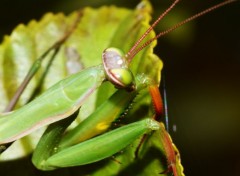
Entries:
{"x":169,"y":150}
{"x":156,"y":99}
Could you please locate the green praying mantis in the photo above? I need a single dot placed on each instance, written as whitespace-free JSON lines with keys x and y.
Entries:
{"x":94,"y":138}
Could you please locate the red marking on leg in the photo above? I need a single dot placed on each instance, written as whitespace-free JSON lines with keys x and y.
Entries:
{"x":165,"y":137}
{"x":115,"y":160}
{"x":169,"y":151}
{"x":140,"y":145}
{"x":157,"y":100}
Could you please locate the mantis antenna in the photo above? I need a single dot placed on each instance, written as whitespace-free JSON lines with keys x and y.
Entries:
{"x":150,"y":29}
{"x":116,"y":64}
{"x":134,"y":50}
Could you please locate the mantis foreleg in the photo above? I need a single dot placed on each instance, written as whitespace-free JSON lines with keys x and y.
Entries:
{"x":102,"y":146}
{"x":95,"y":124}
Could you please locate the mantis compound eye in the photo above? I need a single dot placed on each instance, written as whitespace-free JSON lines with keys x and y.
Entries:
{"x":116,"y":69}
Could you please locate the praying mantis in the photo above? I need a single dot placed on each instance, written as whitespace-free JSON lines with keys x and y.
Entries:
{"x":67,"y":96}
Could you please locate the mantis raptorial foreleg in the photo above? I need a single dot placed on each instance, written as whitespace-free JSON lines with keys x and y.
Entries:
{"x":95,"y":124}
{"x":103,"y":146}
{"x":110,"y":146}
{"x":93,"y":150}
{"x":104,"y":115}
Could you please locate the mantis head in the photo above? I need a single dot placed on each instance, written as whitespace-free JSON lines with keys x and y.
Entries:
{"x":117,"y":70}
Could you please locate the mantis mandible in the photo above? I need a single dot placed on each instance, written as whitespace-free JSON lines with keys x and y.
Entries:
{"x":68,"y":95}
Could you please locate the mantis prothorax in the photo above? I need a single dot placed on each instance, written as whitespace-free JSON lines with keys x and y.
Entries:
{"x":68,"y":95}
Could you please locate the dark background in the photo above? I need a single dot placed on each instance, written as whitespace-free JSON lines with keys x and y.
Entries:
{"x":201,"y":70}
